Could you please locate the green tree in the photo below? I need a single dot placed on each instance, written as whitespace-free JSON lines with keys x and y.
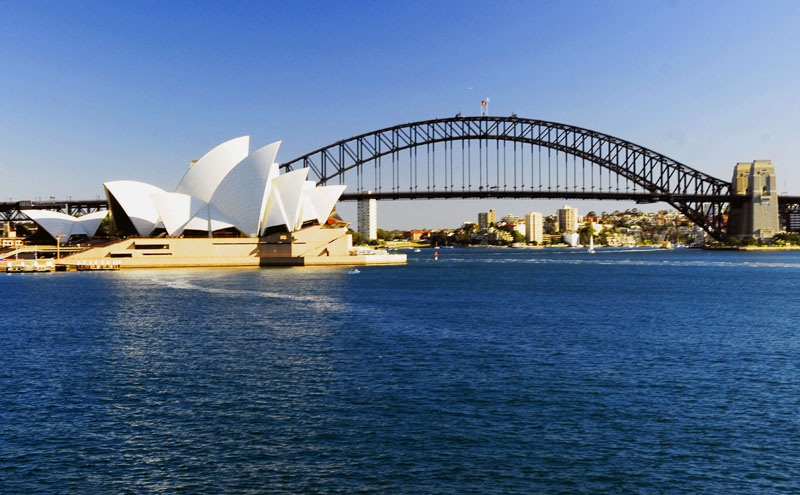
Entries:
{"x":439,"y":239}
{"x":105,"y":226}
{"x":749,"y":241}
{"x":585,"y":232}
{"x":462,"y":237}
{"x":385,"y":235}
{"x":22,"y":229}
{"x":788,"y":238}
{"x":732,"y":241}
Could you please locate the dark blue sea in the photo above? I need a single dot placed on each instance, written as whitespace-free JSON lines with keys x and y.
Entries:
{"x":489,"y":371}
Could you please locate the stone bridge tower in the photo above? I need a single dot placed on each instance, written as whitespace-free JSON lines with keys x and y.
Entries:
{"x":757,"y":216}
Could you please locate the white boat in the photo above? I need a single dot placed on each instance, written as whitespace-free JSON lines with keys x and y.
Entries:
{"x":417,"y":250}
{"x":591,"y":243}
{"x":353,"y":271}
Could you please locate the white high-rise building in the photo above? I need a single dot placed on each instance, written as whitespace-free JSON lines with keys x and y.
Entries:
{"x":533,"y":227}
{"x":368,"y":217}
{"x":568,"y":219}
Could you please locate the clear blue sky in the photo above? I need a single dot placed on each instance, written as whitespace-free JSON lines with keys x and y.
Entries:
{"x":99,"y":91}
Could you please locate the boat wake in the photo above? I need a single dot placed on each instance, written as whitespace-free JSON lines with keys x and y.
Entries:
{"x":317,"y":301}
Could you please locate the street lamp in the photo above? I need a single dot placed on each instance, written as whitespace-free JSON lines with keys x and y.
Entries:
{"x":58,"y":246}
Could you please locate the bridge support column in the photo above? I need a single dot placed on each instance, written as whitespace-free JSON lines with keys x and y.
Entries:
{"x":368,"y":217}
{"x":757,"y":216}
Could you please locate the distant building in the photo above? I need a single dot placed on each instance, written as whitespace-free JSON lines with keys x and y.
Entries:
{"x":9,"y":237}
{"x":571,"y":239}
{"x":620,"y":240}
{"x":794,"y":221}
{"x":368,"y":218}
{"x":418,"y":235}
{"x":568,"y":219}
{"x":500,"y":235}
{"x":534,"y":227}
{"x":510,"y":219}
{"x":485,"y":220}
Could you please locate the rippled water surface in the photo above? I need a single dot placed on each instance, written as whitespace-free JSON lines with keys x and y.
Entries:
{"x":489,"y":371}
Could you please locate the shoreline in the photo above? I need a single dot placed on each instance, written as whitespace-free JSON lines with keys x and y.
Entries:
{"x":751,"y":248}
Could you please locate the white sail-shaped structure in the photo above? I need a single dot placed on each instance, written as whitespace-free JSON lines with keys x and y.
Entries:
{"x":58,"y":225}
{"x":205,"y":176}
{"x":91,"y":222}
{"x":323,"y":199}
{"x":180,"y":212}
{"x":62,"y":226}
{"x":288,"y":191}
{"x":240,"y":195}
{"x":228,"y":188}
{"x":131,"y":206}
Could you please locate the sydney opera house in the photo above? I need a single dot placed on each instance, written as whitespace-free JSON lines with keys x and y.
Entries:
{"x":232,"y":207}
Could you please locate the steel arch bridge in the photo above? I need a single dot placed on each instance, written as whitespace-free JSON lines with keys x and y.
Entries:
{"x":512,"y":157}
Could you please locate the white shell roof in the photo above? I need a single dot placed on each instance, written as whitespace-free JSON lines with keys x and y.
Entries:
{"x":308,"y":211}
{"x":60,"y":224}
{"x":288,"y":189}
{"x":179,"y":212}
{"x":242,"y":193}
{"x":91,"y":221}
{"x":175,"y":209}
{"x":202,"y":179}
{"x":206,"y":223}
{"x":134,"y":198}
{"x":55,"y":223}
{"x":324,"y":198}
{"x":229,"y":188}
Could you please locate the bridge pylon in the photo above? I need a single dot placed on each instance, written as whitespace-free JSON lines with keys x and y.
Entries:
{"x":757,"y":216}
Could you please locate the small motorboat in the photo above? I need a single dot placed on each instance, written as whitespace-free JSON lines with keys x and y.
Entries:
{"x":353,"y":271}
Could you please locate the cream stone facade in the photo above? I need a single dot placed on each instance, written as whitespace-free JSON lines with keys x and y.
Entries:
{"x":311,"y":246}
{"x":757,"y":216}
{"x":534,"y":227}
{"x":568,"y":219}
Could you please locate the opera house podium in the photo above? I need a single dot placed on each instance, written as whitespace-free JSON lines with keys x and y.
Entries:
{"x":231,"y":208}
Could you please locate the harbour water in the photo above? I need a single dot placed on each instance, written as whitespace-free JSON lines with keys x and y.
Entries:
{"x":487,"y":371}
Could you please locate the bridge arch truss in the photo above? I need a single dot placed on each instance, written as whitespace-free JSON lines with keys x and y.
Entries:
{"x":512,"y":157}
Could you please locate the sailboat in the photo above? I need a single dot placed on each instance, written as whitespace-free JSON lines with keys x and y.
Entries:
{"x":591,"y":243}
